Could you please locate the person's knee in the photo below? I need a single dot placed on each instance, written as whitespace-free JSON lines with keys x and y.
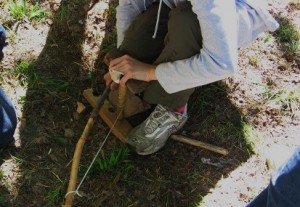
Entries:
{"x":8,"y":119}
{"x":184,"y":31}
{"x":183,"y":16}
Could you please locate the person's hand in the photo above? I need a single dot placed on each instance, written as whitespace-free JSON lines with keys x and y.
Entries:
{"x":109,"y":81}
{"x":133,"y":69}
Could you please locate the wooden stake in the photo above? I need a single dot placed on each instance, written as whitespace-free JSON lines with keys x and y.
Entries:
{"x":197,"y":143}
{"x":121,"y":100}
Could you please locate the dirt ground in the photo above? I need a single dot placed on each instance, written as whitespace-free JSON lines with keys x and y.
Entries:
{"x":67,"y":49}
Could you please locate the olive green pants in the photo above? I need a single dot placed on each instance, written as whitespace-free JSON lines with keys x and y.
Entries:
{"x":178,"y":37}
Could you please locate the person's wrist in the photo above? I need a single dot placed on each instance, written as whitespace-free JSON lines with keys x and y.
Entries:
{"x":152,"y":75}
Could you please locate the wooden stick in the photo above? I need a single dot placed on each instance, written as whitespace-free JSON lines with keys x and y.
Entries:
{"x":121,"y":100}
{"x":197,"y":143}
{"x":79,"y":146}
{"x":109,"y":116}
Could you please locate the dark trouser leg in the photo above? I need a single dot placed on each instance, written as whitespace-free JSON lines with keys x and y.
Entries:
{"x":182,"y":41}
{"x":284,"y":188}
{"x":8,"y":119}
{"x":178,"y":37}
{"x":138,"y":41}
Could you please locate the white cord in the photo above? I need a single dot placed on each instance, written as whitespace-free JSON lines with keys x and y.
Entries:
{"x":76,"y":192}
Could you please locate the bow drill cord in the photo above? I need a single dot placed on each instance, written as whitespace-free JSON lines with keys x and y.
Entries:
{"x":76,"y":191}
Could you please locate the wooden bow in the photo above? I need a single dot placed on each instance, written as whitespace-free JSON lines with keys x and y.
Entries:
{"x":79,"y":146}
{"x":108,"y":119}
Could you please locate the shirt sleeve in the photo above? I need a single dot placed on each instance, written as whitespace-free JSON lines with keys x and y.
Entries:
{"x":218,"y":57}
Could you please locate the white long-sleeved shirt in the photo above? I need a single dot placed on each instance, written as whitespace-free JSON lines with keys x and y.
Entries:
{"x":225,"y":26}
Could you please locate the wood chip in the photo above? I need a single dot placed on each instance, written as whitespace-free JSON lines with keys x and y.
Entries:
{"x":69,"y":133}
{"x":80,"y":107}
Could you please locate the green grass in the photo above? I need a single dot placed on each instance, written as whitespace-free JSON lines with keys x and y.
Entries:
{"x":36,"y":13}
{"x":22,"y":10}
{"x":60,"y":140}
{"x":287,"y":35}
{"x":54,"y":196}
{"x":285,"y":100}
{"x":254,"y":60}
{"x":203,"y":100}
{"x":3,"y":198}
{"x":23,"y":71}
{"x":114,"y":163}
{"x":63,"y":13}
{"x":22,"y":101}
{"x":267,"y":38}
{"x":112,"y":160}
{"x":18,"y":9}
{"x":1,"y":174}
{"x":18,"y":160}
{"x":36,"y":81}
{"x":253,"y":138}
{"x":217,"y":118}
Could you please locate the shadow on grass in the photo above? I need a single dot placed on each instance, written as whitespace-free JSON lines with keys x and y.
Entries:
{"x":174,"y":176}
